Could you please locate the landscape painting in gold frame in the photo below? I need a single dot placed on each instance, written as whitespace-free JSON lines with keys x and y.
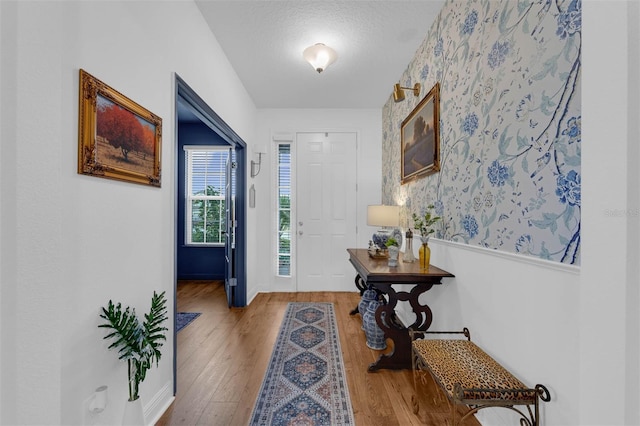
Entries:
{"x":117,"y":138}
{"x":420,"y":138}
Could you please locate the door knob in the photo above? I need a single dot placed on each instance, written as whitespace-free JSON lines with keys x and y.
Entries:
{"x":300,"y":223}
{"x":299,"y":232}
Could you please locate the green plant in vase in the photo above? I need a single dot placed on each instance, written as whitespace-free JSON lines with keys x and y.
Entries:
{"x":392,"y":242}
{"x":423,"y":224}
{"x":137,"y":343}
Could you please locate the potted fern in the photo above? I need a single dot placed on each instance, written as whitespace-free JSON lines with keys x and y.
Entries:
{"x":137,"y":343}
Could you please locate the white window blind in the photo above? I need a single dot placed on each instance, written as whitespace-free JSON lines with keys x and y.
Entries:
{"x":205,"y":179}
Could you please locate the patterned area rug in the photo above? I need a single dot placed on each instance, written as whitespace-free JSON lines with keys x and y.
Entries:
{"x":183,"y":319}
{"x":305,"y":383}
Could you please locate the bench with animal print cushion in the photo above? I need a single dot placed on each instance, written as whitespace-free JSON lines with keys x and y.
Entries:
{"x":469,"y":376}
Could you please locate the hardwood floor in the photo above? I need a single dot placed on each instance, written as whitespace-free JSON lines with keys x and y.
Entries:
{"x":223,"y":355}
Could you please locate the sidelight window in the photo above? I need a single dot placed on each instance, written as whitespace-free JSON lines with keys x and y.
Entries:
{"x":284,"y":209}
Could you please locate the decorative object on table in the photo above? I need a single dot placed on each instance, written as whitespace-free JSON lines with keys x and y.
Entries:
{"x":137,"y":343}
{"x":420,"y":138}
{"x":388,"y":218}
{"x":305,"y":382}
{"x":374,"y":334}
{"x":183,"y":319}
{"x":368,"y":296}
{"x":376,"y":252}
{"x":117,"y":138}
{"x":408,"y":256}
{"x":424,"y":226}
{"x":394,"y":250}
{"x":424,"y":254}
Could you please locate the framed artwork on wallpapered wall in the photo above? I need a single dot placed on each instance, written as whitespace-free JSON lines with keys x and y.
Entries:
{"x":420,"y":138}
{"x":117,"y":138}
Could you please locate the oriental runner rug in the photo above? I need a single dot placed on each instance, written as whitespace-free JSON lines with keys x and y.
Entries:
{"x":305,"y":382}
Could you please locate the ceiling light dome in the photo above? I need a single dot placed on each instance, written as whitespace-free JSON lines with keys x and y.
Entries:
{"x":319,"y":56}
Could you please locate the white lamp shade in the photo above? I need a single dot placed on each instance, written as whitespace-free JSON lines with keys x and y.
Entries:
{"x":381,"y":215}
{"x":319,"y":56}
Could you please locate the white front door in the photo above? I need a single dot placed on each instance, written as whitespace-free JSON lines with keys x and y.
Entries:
{"x":326,"y":210}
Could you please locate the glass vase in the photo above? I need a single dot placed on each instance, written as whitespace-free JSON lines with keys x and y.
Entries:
{"x":424,"y":256}
{"x":408,"y":250}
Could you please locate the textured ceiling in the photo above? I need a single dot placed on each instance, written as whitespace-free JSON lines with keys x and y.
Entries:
{"x":264,"y":40}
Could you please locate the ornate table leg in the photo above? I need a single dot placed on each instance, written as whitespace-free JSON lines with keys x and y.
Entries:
{"x":360,"y":284}
{"x":400,"y":356}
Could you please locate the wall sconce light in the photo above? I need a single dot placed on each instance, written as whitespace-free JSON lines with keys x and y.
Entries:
{"x":398,"y":91}
{"x":98,"y":400}
{"x":319,"y":56}
{"x":255,"y":166}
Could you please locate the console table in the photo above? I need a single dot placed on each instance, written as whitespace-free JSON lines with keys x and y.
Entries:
{"x":377,"y":274}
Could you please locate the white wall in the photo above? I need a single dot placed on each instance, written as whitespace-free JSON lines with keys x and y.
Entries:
{"x":632,"y":389}
{"x":70,"y":242}
{"x":608,"y":324}
{"x":366,"y":122}
{"x":1,"y":230}
{"x":7,"y":233}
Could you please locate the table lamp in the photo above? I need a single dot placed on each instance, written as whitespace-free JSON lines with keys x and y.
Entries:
{"x":388,"y":218}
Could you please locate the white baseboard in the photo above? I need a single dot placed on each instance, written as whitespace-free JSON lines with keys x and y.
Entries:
{"x":159,"y":404}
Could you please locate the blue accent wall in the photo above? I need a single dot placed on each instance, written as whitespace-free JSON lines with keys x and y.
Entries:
{"x":195,"y":263}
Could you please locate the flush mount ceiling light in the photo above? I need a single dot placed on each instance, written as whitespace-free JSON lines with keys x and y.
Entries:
{"x":319,"y":56}
{"x":398,"y":91}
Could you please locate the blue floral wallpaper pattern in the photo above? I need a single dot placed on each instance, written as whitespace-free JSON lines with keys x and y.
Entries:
{"x":509,"y":179}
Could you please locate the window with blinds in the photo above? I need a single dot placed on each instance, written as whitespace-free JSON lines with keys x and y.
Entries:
{"x":284,"y":209}
{"x":205,"y":179}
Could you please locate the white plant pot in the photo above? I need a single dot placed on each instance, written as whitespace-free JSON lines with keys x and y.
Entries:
{"x":393,"y":256}
{"x":133,"y":414}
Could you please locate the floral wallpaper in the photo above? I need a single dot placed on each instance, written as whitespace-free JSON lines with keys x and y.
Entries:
{"x":510,"y":142}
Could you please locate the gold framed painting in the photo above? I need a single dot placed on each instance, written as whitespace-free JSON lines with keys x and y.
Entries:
{"x":117,"y":138}
{"x":420,"y":138}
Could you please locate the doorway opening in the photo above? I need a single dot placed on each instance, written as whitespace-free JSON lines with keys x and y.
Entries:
{"x":197,"y":124}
